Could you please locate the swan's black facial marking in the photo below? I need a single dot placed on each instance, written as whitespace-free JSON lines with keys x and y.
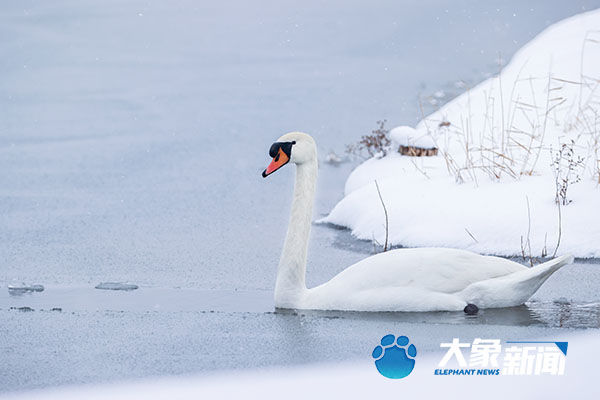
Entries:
{"x":281,"y":153}
{"x":285,"y":146}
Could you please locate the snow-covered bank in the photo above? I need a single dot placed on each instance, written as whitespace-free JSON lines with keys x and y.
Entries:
{"x":493,"y":184}
{"x":356,"y":380}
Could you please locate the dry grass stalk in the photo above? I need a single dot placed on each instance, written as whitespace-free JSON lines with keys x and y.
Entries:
{"x":385,"y":247}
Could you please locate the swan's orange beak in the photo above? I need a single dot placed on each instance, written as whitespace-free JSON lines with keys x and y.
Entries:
{"x":278,"y":161}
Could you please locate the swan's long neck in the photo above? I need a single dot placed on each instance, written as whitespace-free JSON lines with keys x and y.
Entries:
{"x":291,"y":274}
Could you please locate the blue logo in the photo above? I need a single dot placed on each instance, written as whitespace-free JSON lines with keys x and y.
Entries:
{"x":393,"y":359}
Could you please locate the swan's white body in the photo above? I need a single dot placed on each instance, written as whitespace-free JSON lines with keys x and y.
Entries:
{"x":423,"y":279}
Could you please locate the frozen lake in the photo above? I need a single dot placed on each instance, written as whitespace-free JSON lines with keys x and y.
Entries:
{"x":132,"y":138}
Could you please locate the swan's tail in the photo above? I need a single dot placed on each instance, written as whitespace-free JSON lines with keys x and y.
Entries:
{"x":556,"y":263}
{"x":513,"y":289}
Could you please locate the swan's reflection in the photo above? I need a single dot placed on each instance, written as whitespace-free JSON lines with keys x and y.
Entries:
{"x":548,"y":314}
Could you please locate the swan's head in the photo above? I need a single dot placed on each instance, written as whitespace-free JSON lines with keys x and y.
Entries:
{"x":295,"y":147}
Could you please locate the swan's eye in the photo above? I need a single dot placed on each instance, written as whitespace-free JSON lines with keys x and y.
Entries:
{"x":274,"y":149}
{"x":285,"y":146}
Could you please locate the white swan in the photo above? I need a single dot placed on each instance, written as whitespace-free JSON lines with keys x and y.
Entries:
{"x":423,"y":279}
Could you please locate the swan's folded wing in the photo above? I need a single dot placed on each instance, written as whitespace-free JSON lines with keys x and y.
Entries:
{"x":433,"y":269}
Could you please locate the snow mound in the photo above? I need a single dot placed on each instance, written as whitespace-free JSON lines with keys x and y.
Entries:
{"x":409,"y":136}
{"x":493,"y":186}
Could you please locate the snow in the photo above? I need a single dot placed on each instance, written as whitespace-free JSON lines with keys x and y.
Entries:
{"x":492,"y":187}
{"x":409,"y":136}
{"x":357,"y":380}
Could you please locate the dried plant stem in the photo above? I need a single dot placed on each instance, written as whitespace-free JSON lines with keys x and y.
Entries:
{"x":501,"y":101}
{"x":528,"y":242}
{"x":412,"y":159}
{"x":559,"y":231}
{"x":385,"y":246}
{"x":472,"y":237}
{"x":537,"y":156}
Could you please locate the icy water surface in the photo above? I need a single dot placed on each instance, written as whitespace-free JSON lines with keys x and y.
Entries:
{"x":132,"y":138}
{"x":544,"y":310}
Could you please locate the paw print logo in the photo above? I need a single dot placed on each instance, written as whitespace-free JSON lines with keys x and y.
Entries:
{"x":394,"y":358}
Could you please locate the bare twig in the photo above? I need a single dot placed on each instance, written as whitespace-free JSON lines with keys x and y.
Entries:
{"x":385,"y":247}
{"x":537,"y":156}
{"x":472,"y":237}
{"x":559,"y":231}
{"x":501,"y":99}
{"x":528,"y":242}
{"x":412,"y":159}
